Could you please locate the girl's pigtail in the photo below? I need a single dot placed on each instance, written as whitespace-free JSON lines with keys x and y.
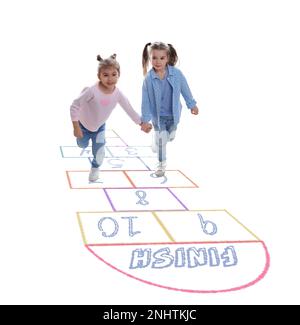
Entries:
{"x":109,"y":62}
{"x":172,"y":55}
{"x":145,"y":60}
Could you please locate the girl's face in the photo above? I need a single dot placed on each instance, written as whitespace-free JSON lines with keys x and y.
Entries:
{"x":159,"y":60}
{"x":108,"y":78}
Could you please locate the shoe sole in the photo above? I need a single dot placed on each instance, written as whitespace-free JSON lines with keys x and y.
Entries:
{"x":159,"y":174}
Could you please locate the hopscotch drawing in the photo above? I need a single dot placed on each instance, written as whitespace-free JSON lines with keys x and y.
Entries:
{"x":138,"y":225}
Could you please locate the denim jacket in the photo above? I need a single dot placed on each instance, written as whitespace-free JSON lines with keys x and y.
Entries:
{"x":151,"y":95}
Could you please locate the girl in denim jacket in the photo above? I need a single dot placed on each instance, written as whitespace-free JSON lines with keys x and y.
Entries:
{"x":162,"y":88}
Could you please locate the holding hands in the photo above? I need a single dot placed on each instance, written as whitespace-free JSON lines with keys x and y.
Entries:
{"x":146,"y":127}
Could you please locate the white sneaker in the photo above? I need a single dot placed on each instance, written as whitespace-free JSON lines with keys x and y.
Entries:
{"x":94,"y":174}
{"x":160,"y":169}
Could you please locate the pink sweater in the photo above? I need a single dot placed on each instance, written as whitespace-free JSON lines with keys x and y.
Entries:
{"x":93,"y":107}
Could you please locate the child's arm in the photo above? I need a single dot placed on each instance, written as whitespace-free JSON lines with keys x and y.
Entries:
{"x":77,"y":130}
{"x":125,"y":104}
{"x":146,"y":115}
{"x":75,"y":112}
{"x":187,"y":95}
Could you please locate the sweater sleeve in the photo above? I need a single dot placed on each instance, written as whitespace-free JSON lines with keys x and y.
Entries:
{"x":146,"y":115}
{"x":186,"y":92}
{"x":125,"y":104}
{"x":85,"y":96}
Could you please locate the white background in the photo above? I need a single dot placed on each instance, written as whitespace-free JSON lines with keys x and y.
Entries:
{"x":241,"y":59}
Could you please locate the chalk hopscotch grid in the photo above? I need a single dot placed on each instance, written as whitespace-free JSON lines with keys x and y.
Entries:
{"x":172,"y":240}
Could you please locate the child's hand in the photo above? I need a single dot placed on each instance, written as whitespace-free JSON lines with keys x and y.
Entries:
{"x":195,"y":110}
{"x":149,"y":128}
{"x":78,"y":133}
{"x":146,"y":127}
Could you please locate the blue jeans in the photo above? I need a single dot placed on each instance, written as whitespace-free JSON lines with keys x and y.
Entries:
{"x":98,"y":142}
{"x":163,"y":133}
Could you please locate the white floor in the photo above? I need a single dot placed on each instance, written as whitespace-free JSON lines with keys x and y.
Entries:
{"x":241,"y":60}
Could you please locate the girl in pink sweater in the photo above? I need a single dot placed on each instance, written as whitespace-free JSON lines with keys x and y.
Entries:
{"x":93,"y":107}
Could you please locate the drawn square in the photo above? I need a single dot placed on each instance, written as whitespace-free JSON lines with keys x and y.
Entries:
{"x":132,"y":163}
{"x":107,"y":179}
{"x":143,"y":199}
{"x":172,"y":178}
{"x":134,"y":151}
{"x":204,"y":225}
{"x":76,"y":152}
{"x":121,"y":227}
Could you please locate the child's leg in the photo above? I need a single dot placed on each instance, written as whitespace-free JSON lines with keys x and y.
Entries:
{"x":162,"y":145}
{"x":167,"y":132}
{"x":171,"y":128}
{"x":154,"y":141}
{"x":161,"y":153}
{"x":159,"y":141}
{"x":172,"y":134}
{"x":84,"y":141}
{"x":155,"y":137}
{"x":98,"y":149}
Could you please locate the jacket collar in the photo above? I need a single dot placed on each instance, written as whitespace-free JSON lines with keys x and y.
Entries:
{"x":153,"y":75}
